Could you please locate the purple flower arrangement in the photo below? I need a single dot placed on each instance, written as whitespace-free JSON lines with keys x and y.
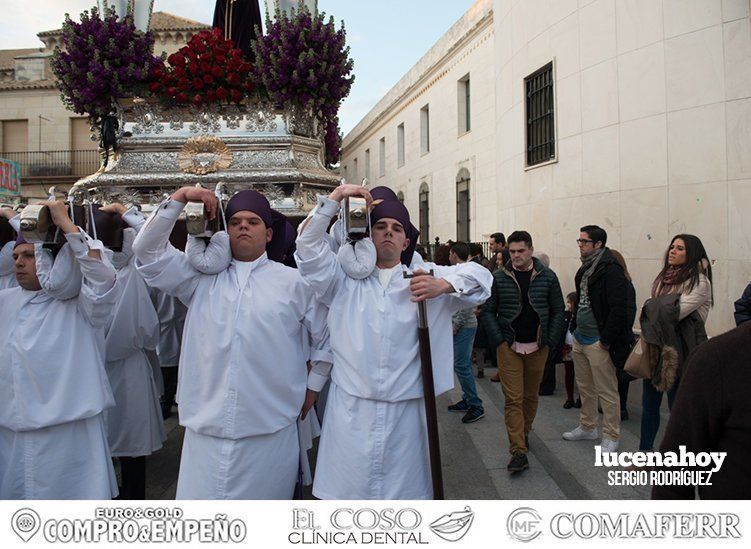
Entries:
{"x":303,"y":61}
{"x":103,"y":59}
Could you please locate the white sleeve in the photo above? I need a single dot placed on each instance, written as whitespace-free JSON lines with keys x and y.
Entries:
{"x":332,"y":237}
{"x":211,"y":258}
{"x":15,"y":222}
{"x":471,"y":282}
{"x":60,"y":278}
{"x":358,"y":258}
{"x":315,"y":260}
{"x":321,"y":358}
{"x":161,"y":264}
{"x":698,"y":296}
{"x":134,"y":219}
{"x":6,"y":259}
{"x":99,"y":293}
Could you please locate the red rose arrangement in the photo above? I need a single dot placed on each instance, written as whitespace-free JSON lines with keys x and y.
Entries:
{"x":208,"y":69}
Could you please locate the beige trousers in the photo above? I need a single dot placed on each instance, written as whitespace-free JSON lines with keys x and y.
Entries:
{"x":596,"y":377}
{"x":520,"y":380}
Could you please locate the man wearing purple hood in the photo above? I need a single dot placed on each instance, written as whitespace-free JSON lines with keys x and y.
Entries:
{"x":242,"y":380}
{"x":53,"y":385}
{"x":374,"y":441}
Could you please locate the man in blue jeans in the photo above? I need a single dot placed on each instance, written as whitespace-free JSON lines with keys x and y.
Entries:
{"x":464,"y":323}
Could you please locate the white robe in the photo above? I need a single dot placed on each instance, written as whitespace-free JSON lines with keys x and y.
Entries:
{"x":243,"y":372}
{"x":134,"y":426}
{"x":374,"y":440}
{"x":171,"y":313}
{"x":54,"y":388}
{"x":7,"y":271}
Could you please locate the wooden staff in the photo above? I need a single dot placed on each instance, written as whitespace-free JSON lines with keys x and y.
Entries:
{"x":428,"y":388}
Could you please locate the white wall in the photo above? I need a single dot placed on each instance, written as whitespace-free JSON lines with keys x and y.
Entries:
{"x":653,"y":114}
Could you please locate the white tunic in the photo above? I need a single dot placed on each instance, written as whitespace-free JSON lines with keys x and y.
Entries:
{"x":7,"y":272}
{"x":242,"y":368}
{"x":134,"y":426}
{"x":374,"y":440}
{"x":53,"y":387}
{"x":171,"y":313}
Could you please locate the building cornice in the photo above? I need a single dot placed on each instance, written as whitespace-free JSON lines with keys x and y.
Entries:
{"x":478,"y":20}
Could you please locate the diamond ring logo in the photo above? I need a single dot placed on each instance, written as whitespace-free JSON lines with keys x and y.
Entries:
{"x":25,"y":523}
{"x":454,"y":526}
{"x":523,"y":524}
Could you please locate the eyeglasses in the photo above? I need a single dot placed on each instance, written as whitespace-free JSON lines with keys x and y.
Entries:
{"x":584,"y":241}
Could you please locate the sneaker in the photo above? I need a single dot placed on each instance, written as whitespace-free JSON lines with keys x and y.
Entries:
{"x":473,"y":415}
{"x":608,"y":445}
{"x":496,"y":378}
{"x":581,"y":434}
{"x":460,"y":406}
{"x":518,"y":463}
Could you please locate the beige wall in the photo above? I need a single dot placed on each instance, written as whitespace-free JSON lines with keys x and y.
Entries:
{"x":29,"y":104}
{"x":653,"y":112}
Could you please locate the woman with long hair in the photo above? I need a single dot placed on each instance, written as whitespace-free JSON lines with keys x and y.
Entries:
{"x":686,"y":271}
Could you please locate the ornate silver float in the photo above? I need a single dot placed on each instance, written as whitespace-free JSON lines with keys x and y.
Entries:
{"x":250,"y":145}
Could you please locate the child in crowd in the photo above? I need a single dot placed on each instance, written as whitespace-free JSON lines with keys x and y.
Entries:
{"x":568,"y":359}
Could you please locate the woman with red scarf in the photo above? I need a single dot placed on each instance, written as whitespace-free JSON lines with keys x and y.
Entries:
{"x":687,"y":271}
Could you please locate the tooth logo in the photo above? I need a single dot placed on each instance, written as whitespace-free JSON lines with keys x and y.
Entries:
{"x":25,"y":523}
{"x":454,"y":526}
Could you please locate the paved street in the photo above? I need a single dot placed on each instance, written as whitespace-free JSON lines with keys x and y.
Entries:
{"x":475,"y":456}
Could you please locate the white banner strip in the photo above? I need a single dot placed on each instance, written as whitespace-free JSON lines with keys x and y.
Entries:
{"x":476,"y":524}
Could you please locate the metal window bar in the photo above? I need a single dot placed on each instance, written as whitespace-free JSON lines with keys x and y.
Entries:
{"x":55,"y":163}
{"x":462,"y":210}
{"x":540,"y":119}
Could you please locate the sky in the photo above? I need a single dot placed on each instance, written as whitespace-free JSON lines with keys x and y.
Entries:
{"x":386,"y":37}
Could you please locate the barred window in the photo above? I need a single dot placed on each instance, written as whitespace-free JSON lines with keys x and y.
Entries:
{"x":540,"y":120}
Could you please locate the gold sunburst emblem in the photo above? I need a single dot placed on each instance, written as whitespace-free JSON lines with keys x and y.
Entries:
{"x":204,"y":154}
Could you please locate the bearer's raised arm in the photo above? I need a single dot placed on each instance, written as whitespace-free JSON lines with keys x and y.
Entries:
{"x":315,"y":260}
{"x":98,"y":293}
{"x":161,"y":265}
{"x":470,"y":281}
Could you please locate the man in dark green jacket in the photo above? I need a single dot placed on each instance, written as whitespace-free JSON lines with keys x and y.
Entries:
{"x":524,"y":320}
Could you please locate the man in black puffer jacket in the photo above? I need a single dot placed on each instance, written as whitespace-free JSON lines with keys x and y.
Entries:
{"x":524,"y":320}
{"x":602,"y":337}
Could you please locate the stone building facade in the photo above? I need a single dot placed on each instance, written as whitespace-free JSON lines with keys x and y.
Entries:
{"x":631,"y":114}
{"x":51,"y":143}
{"x":432,"y":135}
